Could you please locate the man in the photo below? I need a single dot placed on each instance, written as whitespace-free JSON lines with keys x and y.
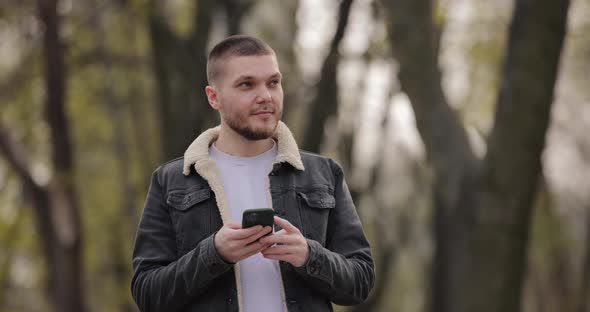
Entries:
{"x":191,"y":253}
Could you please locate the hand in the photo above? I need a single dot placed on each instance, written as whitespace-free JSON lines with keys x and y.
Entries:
{"x":234,"y":243}
{"x":293,"y":246}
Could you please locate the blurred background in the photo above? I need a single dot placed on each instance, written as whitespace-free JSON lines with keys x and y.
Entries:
{"x":462,"y":127}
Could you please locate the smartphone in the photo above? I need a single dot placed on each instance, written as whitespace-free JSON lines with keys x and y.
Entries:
{"x":259,"y":216}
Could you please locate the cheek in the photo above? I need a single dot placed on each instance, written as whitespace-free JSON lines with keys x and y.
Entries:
{"x":239,"y":111}
{"x":278,"y":96}
{"x":231,"y":105}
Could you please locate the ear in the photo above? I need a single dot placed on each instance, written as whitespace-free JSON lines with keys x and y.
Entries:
{"x":212,"y":97}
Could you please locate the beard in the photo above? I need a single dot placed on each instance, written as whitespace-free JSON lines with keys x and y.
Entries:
{"x":240,"y":126}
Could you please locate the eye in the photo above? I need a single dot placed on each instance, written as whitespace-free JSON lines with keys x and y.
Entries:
{"x":275,"y":82}
{"x":245,"y":84}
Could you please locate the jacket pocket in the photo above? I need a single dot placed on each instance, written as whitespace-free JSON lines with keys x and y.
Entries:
{"x":182,"y":201}
{"x":190,"y":213}
{"x":314,"y":207}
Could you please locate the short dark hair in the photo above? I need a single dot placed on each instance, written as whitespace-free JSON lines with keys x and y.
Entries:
{"x":238,"y":45}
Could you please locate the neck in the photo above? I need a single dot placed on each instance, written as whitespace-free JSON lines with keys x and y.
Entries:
{"x":234,"y":144}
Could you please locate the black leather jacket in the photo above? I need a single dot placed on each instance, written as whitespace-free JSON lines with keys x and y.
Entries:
{"x":177,"y":268}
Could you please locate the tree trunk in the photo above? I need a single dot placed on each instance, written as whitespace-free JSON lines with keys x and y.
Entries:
{"x":482,"y":208}
{"x":512,"y":165}
{"x":447,"y":148}
{"x":325,"y":102}
{"x":63,"y":223}
{"x":180,"y":72}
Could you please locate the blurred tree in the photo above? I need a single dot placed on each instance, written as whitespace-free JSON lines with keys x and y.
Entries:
{"x":179,"y":68}
{"x":55,"y":204}
{"x":234,"y":12}
{"x":325,"y":101}
{"x":548,"y":282}
{"x":482,"y":207}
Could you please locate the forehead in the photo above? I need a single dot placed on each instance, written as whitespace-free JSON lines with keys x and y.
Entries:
{"x":259,"y":66}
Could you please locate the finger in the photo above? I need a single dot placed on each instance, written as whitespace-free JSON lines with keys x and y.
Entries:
{"x":265,"y":230}
{"x":240,"y":234}
{"x":280,"y":239}
{"x":286,"y":225}
{"x":286,"y":257}
{"x":278,"y":250}
{"x":252,"y":249}
{"x":281,"y":232}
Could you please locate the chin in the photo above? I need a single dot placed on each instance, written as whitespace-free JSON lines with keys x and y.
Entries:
{"x":266,"y":132}
{"x":270,"y":124}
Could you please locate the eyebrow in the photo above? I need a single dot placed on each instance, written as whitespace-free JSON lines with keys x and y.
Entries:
{"x":247,"y":77}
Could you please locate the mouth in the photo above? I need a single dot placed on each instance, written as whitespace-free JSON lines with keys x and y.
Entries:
{"x":263,"y":113}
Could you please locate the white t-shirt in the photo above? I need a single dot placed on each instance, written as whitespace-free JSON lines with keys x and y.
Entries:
{"x":246,"y":185}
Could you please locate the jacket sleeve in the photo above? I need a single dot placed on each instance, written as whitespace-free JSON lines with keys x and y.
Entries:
{"x":342,"y":271}
{"x":162,"y":281}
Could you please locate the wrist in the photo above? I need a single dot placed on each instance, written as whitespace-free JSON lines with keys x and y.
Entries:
{"x":306,"y":257}
{"x":217,"y":247}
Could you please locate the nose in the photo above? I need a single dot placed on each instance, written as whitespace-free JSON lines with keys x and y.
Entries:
{"x":263,"y":95}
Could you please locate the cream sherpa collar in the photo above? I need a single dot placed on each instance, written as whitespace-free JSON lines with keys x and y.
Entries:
{"x":198,"y":152}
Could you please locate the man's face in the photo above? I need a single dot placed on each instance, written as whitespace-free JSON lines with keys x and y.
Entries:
{"x":248,"y":95}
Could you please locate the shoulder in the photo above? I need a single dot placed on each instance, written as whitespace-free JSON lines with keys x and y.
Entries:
{"x":169,"y":174}
{"x":317,"y":162}
{"x":173,"y":166}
